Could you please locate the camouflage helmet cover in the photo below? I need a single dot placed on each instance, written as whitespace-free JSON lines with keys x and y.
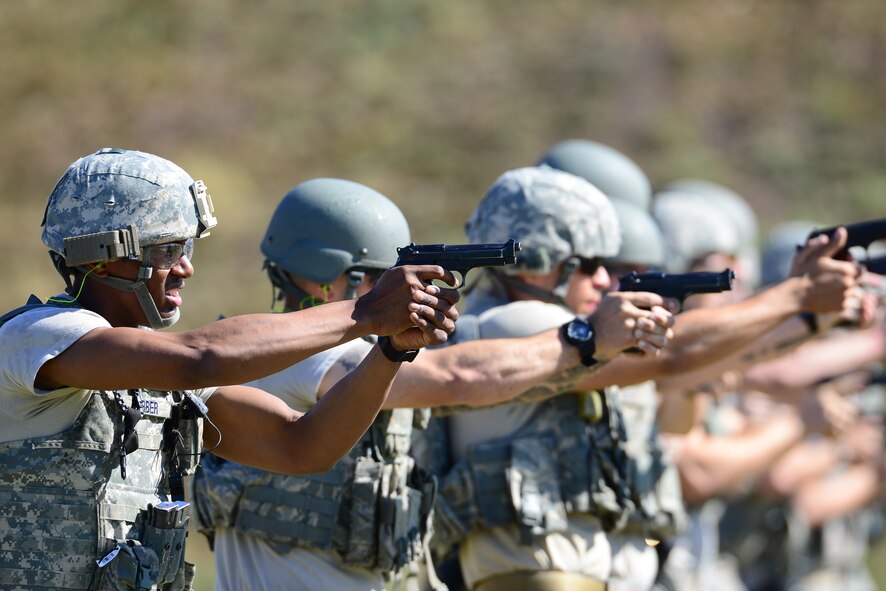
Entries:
{"x":555,"y":215}
{"x":606,"y":168}
{"x":323,"y":227}
{"x":113,"y":190}
{"x":642,"y":242}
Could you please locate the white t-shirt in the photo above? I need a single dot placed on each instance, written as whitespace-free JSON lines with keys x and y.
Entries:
{"x":245,"y":562}
{"x":298,"y":384}
{"x":27,"y":341}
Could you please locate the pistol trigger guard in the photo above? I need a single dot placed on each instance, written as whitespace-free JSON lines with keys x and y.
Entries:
{"x":461,"y":277}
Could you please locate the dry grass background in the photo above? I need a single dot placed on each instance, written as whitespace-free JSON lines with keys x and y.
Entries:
{"x":428,"y":102}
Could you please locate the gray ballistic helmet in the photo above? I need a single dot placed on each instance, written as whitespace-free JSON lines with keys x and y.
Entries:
{"x":556,"y":216}
{"x":641,"y":240}
{"x":739,"y":211}
{"x":692,"y":228}
{"x":606,"y":168}
{"x":324,"y":228}
{"x":116,"y":204}
{"x":781,"y":246}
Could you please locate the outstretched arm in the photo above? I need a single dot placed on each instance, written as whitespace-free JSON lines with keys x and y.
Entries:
{"x":710,"y":465}
{"x":242,"y":348}
{"x":704,"y":336}
{"x":491,"y":371}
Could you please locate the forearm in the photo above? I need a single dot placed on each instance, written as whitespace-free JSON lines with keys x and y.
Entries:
{"x":710,"y":465}
{"x":346,"y":411}
{"x":818,"y":360}
{"x":231,"y":351}
{"x":778,"y":342}
{"x":832,"y":497}
{"x":259,"y":430}
{"x":708,"y":336}
{"x":487,"y":372}
{"x":804,"y":462}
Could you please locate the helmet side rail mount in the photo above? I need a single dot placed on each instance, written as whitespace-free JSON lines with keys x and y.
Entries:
{"x":205,"y":209}
{"x":102,"y":246}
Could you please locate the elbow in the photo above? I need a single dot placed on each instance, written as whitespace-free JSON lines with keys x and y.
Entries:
{"x":209,"y":368}
{"x":696,"y":489}
{"x":470,"y":388}
{"x":314,"y":465}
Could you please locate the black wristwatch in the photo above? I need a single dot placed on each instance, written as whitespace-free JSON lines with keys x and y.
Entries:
{"x":395,"y":355}
{"x":580,"y":334}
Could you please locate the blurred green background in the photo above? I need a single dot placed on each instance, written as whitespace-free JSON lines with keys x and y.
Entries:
{"x":428,"y":102}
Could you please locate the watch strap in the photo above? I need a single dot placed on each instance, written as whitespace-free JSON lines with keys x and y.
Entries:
{"x":586,"y":349}
{"x":395,"y":355}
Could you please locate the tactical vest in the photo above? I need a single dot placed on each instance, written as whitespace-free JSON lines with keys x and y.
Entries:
{"x":566,"y":460}
{"x":654,"y":481}
{"x":67,"y":506}
{"x":372,"y":508}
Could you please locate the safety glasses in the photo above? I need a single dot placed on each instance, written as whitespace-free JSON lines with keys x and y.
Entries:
{"x":166,"y":256}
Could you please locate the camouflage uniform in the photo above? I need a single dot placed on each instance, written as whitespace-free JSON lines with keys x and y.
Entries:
{"x":83,"y":495}
{"x":371,"y":508}
{"x":534,"y":485}
{"x":87,"y":506}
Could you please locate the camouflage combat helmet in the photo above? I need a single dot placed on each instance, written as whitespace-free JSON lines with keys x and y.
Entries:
{"x":641,"y":240}
{"x":117,"y":204}
{"x":326,"y":227}
{"x":692,"y":229}
{"x":556,"y":216}
{"x":606,"y":168}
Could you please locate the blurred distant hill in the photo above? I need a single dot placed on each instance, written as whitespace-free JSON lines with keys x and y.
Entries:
{"x":428,"y":102}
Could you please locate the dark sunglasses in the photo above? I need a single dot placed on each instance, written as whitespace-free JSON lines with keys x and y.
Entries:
{"x":587,"y":266}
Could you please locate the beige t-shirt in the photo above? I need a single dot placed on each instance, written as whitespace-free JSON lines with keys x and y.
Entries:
{"x":27,"y":341}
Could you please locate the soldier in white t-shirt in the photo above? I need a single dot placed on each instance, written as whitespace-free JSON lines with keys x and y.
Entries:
{"x":101,"y":415}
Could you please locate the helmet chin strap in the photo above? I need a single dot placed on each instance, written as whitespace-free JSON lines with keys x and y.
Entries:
{"x":355,"y":278}
{"x":140,"y":289}
{"x":282,"y":281}
{"x":152,"y":314}
{"x":555,"y":296}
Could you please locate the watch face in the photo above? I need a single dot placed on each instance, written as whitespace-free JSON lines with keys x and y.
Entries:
{"x":580,"y":331}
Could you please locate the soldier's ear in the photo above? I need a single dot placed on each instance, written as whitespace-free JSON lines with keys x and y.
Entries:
{"x":98,"y":269}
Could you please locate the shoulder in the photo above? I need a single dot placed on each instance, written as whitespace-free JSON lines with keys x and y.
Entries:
{"x":46,"y":331}
{"x":53,"y":318}
{"x":519,"y":319}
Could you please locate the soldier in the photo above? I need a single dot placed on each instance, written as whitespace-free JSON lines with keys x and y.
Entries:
{"x":726,"y":447}
{"x":659,"y":514}
{"x":357,"y":524}
{"x":535,"y":484}
{"x":653,"y":480}
{"x":808,"y":523}
{"x":102,"y":416}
